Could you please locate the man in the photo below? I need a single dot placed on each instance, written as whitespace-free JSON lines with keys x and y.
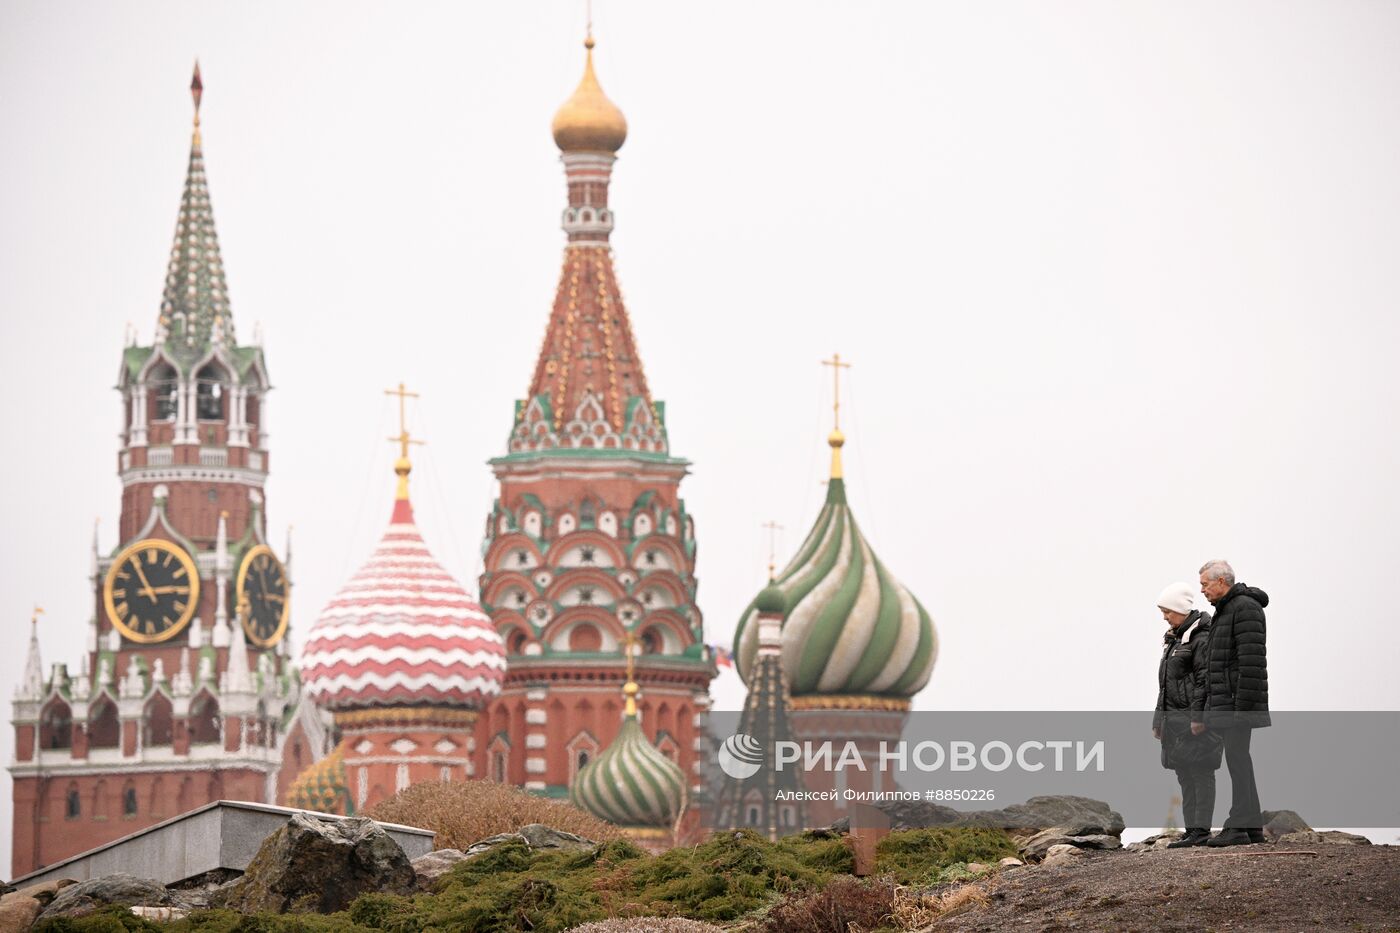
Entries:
{"x":1237,"y":701}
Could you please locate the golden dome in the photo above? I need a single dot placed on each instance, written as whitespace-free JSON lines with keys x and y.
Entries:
{"x":588,"y":121}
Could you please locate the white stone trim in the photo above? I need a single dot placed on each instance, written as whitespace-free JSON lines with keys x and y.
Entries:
{"x":536,"y":740}
{"x":534,"y":766}
{"x":536,"y":717}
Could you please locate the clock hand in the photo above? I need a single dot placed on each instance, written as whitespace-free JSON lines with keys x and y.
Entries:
{"x":170,"y":589}
{"x":146,"y":584}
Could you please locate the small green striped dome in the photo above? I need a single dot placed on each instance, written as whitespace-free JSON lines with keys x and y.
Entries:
{"x":850,"y":627}
{"x":631,"y":783}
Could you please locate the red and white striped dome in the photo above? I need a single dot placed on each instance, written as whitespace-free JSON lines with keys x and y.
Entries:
{"x":402,"y":632}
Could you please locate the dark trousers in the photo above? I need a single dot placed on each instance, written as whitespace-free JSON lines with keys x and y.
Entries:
{"x":1244,"y":795}
{"x":1197,"y":796}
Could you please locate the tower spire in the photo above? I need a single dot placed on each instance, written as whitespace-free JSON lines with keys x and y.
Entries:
{"x":194,"y":309}
{"x":32,"y":687}
{"x":196,"y":92}
{"x":836,"y":439}
{"x":403,"y":466}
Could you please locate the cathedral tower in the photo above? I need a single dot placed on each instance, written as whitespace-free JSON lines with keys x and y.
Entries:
{"x":856,"y":645}
{"x":589,"y":543}
{"x":404,"y":659}
{"x":185,"y":695}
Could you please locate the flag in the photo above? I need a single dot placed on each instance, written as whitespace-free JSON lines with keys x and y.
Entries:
{"x":722,"y":656}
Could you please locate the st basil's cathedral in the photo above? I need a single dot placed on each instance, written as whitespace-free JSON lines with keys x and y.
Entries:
{"x":582,"y":673}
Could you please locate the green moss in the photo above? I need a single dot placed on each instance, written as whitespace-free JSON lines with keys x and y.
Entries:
{"x":511,"y":889}
{"x":920,"y":856}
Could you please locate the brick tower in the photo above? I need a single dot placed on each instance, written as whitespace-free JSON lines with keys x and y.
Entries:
{"x":185,"y":695}
{"x":589,"y":542}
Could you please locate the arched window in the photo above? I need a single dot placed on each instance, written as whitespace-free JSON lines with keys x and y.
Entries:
{"x":56,"y":726}
{"x":210,"y":390}
{"x":74,"y":808}
{"x":585,"y":637}
{"x":104,"y":729}
{"x":651,"y":642}
{"x":204,"y":720}
{"x":163,"y":382}
{"x":129,"y":801}
{"x":159,"y":721}
{"x":583,"y":759}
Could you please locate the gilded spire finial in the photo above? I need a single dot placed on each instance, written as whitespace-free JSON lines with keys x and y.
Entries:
{"x":836,"y":439}
{"x":197,"y":92}
{"x":630,"y":688}
{"x":403,"y":466}
{"x":34,"y":618}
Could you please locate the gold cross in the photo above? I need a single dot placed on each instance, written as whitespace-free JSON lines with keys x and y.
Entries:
{"x":836,"y":367}
{"x":403,"y":440}
{"x":38,"y":611}
{"x":773,"y":528}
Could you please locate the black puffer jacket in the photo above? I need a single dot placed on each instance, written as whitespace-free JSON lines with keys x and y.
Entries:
{"x":1182,"y":688}
{"x":1239,"y":673}
{"x":1182,"y":682}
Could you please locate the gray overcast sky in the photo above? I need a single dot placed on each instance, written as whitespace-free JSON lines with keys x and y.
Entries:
{"x":1119,"y":282}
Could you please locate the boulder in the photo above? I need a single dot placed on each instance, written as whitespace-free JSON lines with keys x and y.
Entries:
{"x":1326,"y":837}
{"x":1282,"y":822}
{"x":18,"y":912}
{"x":46,"y":891}
{"x":1039,"y":845}
{"x":310,"y":865}
{"x":429,"y":868}
{"x":1010,"y":862}
{"x":535,"y":835}
{"x":1061,"y":854}
{"x":95,"y":893}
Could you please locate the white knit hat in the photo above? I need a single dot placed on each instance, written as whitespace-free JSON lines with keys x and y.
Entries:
{"x":1177,"y":597}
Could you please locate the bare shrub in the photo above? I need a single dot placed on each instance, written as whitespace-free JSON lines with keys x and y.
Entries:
{"x":914,"y":909}
{"x":464,"y":812}
{"x":845,"y":905}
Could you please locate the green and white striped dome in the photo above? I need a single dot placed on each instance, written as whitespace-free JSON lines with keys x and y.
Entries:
{"x":631,"y":783}
{"x":851,"y":629}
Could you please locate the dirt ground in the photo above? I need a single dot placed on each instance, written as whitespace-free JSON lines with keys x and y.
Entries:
{"x":1353,"y":888}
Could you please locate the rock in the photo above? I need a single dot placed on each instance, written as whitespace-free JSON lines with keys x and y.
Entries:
{"x":1062,"y":853}
{"x":125,"y":890}
{"x":47,"y":890}
{"x":1078,"y":816}
{"x":160,"y":913}
{"x":1326,"y":837}
{"x":536,"y":836}
{"x":1171,"y":835}
{"x":1039,"y":845}
{"x":1282,"y":822}
{"x":429,"y":868}
{"x":977,"y":867}
{"x":1138,"y":847}
{"x":310,"y":865}
{"x":18,"y":912}
{"x":1010,"y":862}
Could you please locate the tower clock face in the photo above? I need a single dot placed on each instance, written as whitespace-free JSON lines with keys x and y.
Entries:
{"x":151,"y":591}
{"x":262,"y":581}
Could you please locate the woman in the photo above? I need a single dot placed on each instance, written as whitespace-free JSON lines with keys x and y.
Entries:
{"x":1182,"y":685}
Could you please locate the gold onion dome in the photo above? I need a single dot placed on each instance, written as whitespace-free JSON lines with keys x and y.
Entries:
{"x":588,"y":121}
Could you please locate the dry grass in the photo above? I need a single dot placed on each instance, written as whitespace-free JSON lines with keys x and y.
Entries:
{"x":917,"y":910}
{"x":464,"y":812}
